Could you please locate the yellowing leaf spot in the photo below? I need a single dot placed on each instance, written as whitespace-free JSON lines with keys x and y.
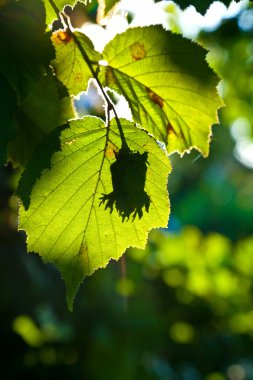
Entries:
{"x":70,"y":142}
{"x":110,"y":150}
{"x":137,"y":51}
{"x":61,"y":36}
{"x":78,"y":77}
{"x":156,"y":98}
{"x":110,"y":77}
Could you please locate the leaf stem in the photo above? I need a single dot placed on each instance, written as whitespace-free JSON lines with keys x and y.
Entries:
{"x":110,"y":105}
{"x":55,"y":8}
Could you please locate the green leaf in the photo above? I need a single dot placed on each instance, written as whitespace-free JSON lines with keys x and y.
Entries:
{"x":44,"y":109}
{"x":69,"y":65}
{"x":26,"y":50}
{"x":106,"y":5}
{"x":42,"y":156}
{"x":109,"y":4}
{"x":51,"y":12}
{"x":70,"y":223}
{"x":170,"y":88}
{"x":59,"y":4}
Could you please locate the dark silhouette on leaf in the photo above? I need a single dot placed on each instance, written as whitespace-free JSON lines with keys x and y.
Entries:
{"x":128,"y":180}
{"x":40,"y":161}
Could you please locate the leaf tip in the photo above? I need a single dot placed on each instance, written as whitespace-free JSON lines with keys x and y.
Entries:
{"x":70,"y":302}
{"x":71,"y":291}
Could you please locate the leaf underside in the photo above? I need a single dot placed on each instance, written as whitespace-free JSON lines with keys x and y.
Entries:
{"x":26,"y":50}
{"x":86,"y":196}
{"x":69,"y":65}
{"x":170,"y":88}
{"x":68,"y":222}
{"x":60,"y":4}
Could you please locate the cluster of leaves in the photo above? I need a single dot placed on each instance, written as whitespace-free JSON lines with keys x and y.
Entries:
{"x":91,"y":188}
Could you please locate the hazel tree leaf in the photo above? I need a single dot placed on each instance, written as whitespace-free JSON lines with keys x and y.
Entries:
{"x":26,"y":51}
{"x":51,"y":12}
{"x":77,"y":217}
{"x":106,"y":5}
{"x":33,"y":122}
{"x":109,"y":4}
{"x":69,"y":65}
{"x":170,"y":88}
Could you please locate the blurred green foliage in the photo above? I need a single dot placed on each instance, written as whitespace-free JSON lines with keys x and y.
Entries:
{"x":183,"y":310}
{"x":180,"y":310}
{"x":230,"y":54}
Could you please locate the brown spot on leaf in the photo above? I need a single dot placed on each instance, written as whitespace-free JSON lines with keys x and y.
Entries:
{"x":61,"y":36}
{"x":170,"y":130}
{"x":110,"y":150}
{"x":110,"y":76}
{"x":137,"y":51}
{"x":156,"y":98}
{"x":77,"y":77}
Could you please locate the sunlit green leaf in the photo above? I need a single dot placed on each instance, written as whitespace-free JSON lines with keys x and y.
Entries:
{"x":169,"y":86}
{"x":69,"y":65}
{"x":69,"y":221}
{"x":109,"y":4}
{"x":52,"y":8}
{"x":106,"y":5}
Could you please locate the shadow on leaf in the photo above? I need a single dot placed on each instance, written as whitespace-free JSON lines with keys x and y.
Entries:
{"x":40,"y":161}
{"x":128,"y":175}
